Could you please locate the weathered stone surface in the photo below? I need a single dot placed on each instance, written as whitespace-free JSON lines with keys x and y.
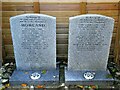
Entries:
{"x":34,"y":41}
{"x":89,"y":42}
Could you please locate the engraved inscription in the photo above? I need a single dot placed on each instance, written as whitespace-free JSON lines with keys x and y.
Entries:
{"x":34,"y":37}
{"x":33,"y":29}
{"x":89,"y":42}
{"x":93,"y":40}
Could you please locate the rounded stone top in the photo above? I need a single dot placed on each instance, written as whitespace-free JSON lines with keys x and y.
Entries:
{"x":32,"y":15}
{"x":91,"y":15}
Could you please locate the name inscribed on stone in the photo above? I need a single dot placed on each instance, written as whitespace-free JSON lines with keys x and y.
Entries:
{"x":93,"y":40}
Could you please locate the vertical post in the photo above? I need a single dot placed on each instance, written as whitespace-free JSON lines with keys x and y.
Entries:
{"x":0,"y":33}
{"x":117,"y":59}
{"x":83,"y":7}
{"x":36,"y":6}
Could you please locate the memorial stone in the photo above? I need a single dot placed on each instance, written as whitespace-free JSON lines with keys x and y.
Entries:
{"x":89,"y":42}
{"x":88,"y":50}
{"x":34,"y":41}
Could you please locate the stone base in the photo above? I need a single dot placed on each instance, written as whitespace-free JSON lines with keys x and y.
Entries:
{"x":77,"y":78}
{"x":24,"y":77}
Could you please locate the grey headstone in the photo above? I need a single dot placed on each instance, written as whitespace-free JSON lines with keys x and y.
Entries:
{"x":89,"y":42}
{"x":34,"y":41}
